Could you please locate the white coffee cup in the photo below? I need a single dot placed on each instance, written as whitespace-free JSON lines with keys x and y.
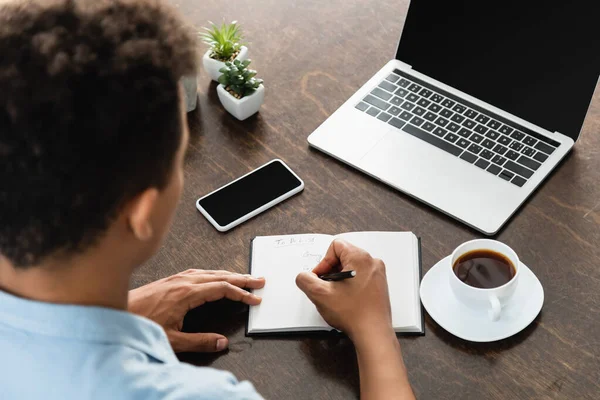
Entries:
{"x":492,"y":299}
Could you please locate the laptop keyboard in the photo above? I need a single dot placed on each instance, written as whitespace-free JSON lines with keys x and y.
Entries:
{"x":467,"y":131}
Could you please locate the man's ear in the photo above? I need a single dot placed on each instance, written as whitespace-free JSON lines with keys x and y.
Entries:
{"x":139,"y":215}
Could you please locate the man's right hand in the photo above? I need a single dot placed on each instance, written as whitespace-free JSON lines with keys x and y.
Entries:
{"x":357,"y":306}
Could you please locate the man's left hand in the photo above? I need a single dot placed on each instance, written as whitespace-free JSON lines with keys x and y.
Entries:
{"x":166,"y":302}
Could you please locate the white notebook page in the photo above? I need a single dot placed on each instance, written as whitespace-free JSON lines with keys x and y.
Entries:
{"x":286,"y":309}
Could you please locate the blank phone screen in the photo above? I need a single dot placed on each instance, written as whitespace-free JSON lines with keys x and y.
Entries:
{"x":253,"y":191}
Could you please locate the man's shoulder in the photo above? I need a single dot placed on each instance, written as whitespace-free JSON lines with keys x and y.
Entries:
{"x":170,"y":381}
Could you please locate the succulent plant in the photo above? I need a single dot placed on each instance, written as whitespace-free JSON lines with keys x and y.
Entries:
{"x":238,"y":79}
{"x":224,"y":41}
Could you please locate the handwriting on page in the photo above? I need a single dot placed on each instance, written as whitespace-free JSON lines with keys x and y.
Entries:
{"x":310,"y":260}
{"x":294,"y":241}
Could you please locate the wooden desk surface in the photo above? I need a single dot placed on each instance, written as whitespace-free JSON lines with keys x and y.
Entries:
{"x":313,"y":55}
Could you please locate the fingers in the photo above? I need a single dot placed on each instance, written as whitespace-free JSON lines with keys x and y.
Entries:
{"x":335,"y":257}
{"x":312,"y":285}
{"x":239,"y":280}
{"x":213,"y":291}
{"x":197,"y":342}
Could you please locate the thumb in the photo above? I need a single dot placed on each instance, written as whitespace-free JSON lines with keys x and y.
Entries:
{"x":197,"y":342}
{"x":311,"y":285}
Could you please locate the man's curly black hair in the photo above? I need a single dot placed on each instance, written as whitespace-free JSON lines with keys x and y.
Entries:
{"x":89,"y":116}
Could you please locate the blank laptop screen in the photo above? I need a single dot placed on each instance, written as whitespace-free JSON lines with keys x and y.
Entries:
{"x":538,"y":60}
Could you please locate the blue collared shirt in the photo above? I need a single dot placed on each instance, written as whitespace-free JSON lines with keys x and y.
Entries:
{"x":55,"y":351}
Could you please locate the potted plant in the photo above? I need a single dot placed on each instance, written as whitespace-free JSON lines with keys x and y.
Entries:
{"x":239,"y":91}
{"x":225,"y":45}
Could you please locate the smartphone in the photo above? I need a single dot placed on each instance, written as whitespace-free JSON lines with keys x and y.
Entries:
{"x":249,"y":195}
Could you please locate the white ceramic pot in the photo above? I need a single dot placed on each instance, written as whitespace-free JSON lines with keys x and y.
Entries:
{"x":244,"y":107}
{"x":190,"y":90}
{"x":212,"y":66}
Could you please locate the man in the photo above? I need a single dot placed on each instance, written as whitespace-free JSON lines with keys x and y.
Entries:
{"x":92,"y":142}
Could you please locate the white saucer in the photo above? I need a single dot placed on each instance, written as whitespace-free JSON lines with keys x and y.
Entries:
{"x":472,"y":325}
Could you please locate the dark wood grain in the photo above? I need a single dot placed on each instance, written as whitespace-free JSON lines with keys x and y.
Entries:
{"x":313,"y":55}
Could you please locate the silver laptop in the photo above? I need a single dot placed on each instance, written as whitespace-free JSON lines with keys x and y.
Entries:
{"x":481,"y":103}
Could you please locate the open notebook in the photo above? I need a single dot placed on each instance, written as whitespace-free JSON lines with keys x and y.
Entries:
{"x":285,"y":309}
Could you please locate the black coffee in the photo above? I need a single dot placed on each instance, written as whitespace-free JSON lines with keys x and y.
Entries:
{"x":484,"y":269}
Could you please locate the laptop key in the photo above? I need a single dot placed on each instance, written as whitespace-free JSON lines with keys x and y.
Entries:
{"x":441,"y":121}
{"x":428,"y":126}
{"x":457,"y":118}
{"x":513,"y":155}
{"x":390,"y":87}
{"x":494,"y":169}
{"x":425,"y":92}
{"x":433,"y":140}
{"x":473,"y":148}
{"x":452,"y":127}
{"x":396,"y":101}
{"x":492,"y":134}
{"x":417,"y":121}
{"x":506,"y":129}
{"x":545,"y":148}
{"x":529,"y":141}
{"x":451,"y":137}
{"x":412,"y":97}
{"x":392,"y":78}
{"x":405,"y":115}
{"x":418,"y":111}
{"x":464,"y":132}
{"x":463,"y":143}
{"x":476,"y":138}
{"x":518,"y":169}
{"x":394,"y":110}
{"x":499,"y":160}
{"x":480,"y":129}
{"x":529,"y":163}
{"x":374,"y":101}
{"x":469,"y":123}
{"x":362,"y":106}
{"x":517,"y":135}
{"x":517,"y":180}
{"x":396,"y":122}
{"x":384,"y":116}
{"x":482,"y":119}
{"x":468,"y":157}
{"x":459,"y":108}
{"x":516,"y":146}
{"x":506,"y":175}
{"x":436,"y":98}
{"x":382,"y":94}
{"x":541,"y":157}
{"x":448,"y":103}
{"x":414,"y":88}
{"x":486,"y":154}
{"x":403,"y":83}
{"x":446,"y":113}
{"x":494,"y":124}
{"x":373,"y":111}
{"x":503,"y":139}
{"x":423,"y":102}
{"x":435,"y":107}
{"x":483,"y":164}
{"x":500,"y":149}
{"x":401,"y":92}
{"x":441,"y":132}
{"x":430,"y":116}
{"x":488,"y":144}
{"x":471,"y":113}
{"x":528,"y":151}
{"x":407,"y":105}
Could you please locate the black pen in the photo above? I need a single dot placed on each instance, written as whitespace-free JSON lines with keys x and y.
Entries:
{"x":338,"y":276}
